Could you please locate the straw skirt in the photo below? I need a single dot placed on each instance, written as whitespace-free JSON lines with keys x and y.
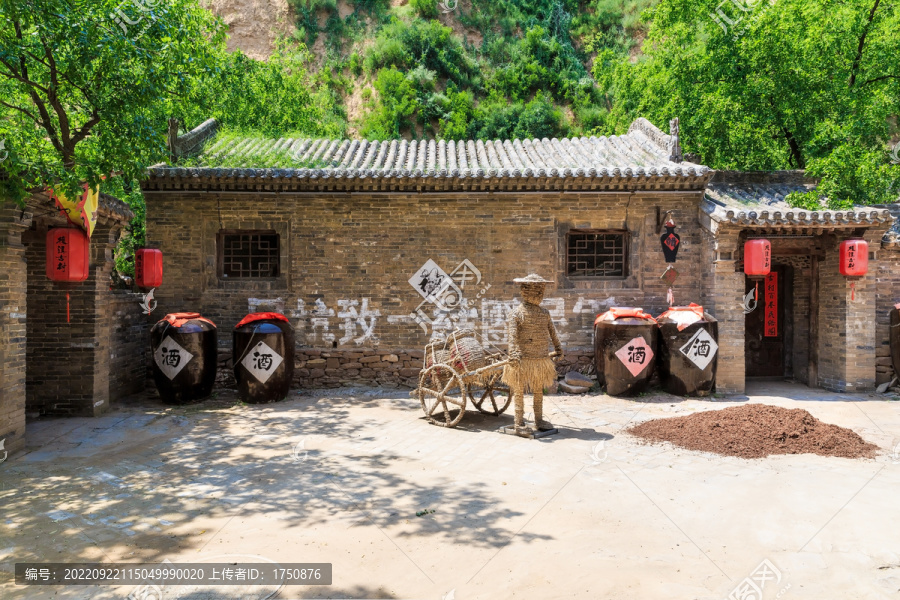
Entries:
{"x":530,"y":374}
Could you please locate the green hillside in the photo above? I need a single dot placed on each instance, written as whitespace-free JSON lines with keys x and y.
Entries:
{"x":479,"y":69}
{"x":756,"y":84}
{"x":793,"y":84}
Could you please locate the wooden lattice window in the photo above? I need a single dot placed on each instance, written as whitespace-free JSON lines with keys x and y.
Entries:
{"x":596,"y":253}
{"x":248,"y":254}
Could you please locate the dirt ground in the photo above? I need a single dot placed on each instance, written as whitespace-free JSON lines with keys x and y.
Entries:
{"x":403,"y":509}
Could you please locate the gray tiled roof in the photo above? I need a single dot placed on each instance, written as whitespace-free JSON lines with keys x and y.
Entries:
{"x":640,"y":153}
{"x":113,"y":207}
{"x":892,"y":235}
{"x":759,"y":199}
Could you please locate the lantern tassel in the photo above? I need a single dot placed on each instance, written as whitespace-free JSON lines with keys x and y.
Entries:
{"x":670,"y":297}
{"x":756,"y":292}
{"x":852,"y":291}
{"x":68,"y":319}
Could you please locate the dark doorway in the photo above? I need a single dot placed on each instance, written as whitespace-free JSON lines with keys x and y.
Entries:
{"x":769,"y":328}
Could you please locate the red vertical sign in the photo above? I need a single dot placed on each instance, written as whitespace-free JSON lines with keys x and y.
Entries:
{"x":771,"y":326}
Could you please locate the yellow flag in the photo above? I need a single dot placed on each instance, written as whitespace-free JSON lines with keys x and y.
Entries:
{"x":82,"y":211}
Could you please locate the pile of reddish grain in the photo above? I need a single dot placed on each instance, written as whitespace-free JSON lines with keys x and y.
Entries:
{"x":756,"y":431}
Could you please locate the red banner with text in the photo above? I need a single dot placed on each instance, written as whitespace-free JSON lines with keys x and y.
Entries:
{"x":772,"y":304}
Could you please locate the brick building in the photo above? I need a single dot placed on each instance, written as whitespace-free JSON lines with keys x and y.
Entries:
{"x":49,"y":366}
{"x":347,"y":237}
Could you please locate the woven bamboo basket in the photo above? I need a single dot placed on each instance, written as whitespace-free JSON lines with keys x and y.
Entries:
{"x":436,"y":353}
{"x":466,"y":352}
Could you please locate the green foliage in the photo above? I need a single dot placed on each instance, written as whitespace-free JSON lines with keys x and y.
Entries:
{"x":135,"y":233}
{"x":459,"y":110}
{"x":541,"y":62}
{"x":852,"y":174}
{"x":388,"y":51}
{"x":794,"y":84}
{"x":275,"y":96}
{"x":356,"y":64}
{"x":495,"y":121}
{"x":84,"y":95}
{"x":540,"y":119}
{"x":527,"y":49}
{"x":420,"y":43}
{"x":337,"y":30}
{"x":426,"y":9}
{"x":610,"y":24}
{"x":398,"y":102}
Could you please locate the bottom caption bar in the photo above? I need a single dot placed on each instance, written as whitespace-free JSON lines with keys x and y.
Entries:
{"x":173,"y":574}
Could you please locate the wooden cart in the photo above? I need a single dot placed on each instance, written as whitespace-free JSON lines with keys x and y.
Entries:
{"x":460,"y":370}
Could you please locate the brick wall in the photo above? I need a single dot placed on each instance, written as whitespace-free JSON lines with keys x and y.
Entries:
{"x":346,"y":259}
{"x":48,"y":365}
{"x":723,"y":300}
{"x":847,"y":356}
{"x":846,"y":339}
{"x":13,"y":290}
{"x":129,"y":344}
{"x":68,"y":358}
{"x":887,"y":273}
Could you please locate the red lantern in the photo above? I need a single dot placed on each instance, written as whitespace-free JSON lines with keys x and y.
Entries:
{"x":854,"y":261}
{"x":757,"y":258}
{"x":854,"y":258}
{"x":757,"y":262}
{"x":148,"y":268}
{"x":68,"y":256}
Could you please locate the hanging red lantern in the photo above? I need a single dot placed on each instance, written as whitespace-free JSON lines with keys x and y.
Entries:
{"x":757,"y":258}
{"x":757,"y":262}
{"x":854,"y":262}
{"x":68,"y":255}
{"x":148,"y":268}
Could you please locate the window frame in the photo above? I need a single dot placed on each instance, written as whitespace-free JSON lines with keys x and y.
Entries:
{"x":220,"y":253}
{"x":626,"y":254}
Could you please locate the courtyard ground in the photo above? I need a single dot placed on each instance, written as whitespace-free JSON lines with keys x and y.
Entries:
{"x":340,"y":477}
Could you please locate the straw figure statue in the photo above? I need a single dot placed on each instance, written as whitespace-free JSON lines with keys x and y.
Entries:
{"x":531,"y":369}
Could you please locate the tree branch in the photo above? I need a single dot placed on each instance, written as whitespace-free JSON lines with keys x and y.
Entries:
{"x":862,"y":42}
{"x":15,"y":75}
{"x":23,"y":111}
{"x":45,"y":115}
{"x":880,"y":79}
{"x":796,"y":157}
{"x":83,"y":131}
{"x":796,"y":154}
{"x":61,"y":115}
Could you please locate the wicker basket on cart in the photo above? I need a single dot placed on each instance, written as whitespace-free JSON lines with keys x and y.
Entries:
{"x":458,"y":370}
{"x":466,"y":352}
{"x":436,"y":353}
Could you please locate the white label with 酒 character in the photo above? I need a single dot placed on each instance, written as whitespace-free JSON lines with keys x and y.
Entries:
{"x":700,"y":349}
{"x":171,"y":358}
{"x":262,"y":361}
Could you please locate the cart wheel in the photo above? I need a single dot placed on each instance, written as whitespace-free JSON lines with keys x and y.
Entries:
{"x":442,"y":391}
{"x":495,"y":399}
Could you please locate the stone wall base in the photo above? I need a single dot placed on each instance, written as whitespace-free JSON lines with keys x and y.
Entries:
{"x":333,"y":368}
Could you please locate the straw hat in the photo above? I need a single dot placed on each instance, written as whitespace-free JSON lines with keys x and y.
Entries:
{"x":533,"y":278}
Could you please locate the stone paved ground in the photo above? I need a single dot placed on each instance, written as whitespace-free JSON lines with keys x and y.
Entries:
{"x":339,"y":477}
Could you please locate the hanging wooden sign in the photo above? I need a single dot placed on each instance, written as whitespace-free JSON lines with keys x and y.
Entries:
{"x":771,"y":326}
{"x":670,"y":242}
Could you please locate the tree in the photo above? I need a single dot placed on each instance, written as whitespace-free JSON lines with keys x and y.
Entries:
{"x":86,"y":85}
{"x":771,"y":85}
